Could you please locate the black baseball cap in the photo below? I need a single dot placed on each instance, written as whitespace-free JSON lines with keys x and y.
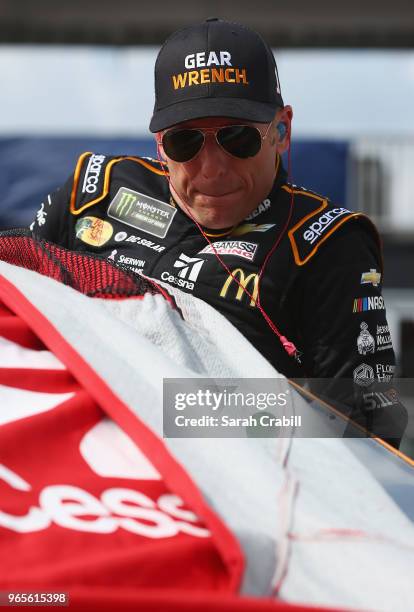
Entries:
{"x":215,"y":69}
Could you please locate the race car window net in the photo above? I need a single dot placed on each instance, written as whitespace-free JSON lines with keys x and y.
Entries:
{"x":91,"y":275}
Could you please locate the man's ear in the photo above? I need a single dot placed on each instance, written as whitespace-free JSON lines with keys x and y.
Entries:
{"x":160,"y":148}
{"x":284,"y":125}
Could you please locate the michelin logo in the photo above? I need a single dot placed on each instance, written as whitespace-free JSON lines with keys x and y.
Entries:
{"x":318,"y":227}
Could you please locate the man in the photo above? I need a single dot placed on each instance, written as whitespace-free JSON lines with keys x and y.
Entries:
{"x":216,"y":217}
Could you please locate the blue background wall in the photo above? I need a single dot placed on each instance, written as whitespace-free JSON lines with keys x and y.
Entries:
{"x":30,"y":168}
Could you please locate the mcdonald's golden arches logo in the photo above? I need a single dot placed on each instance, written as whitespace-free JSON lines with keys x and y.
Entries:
{"x":245,"y":282}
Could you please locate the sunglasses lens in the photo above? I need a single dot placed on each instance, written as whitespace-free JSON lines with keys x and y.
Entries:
{"x":182,"y":145}
{"x":240,"y":140}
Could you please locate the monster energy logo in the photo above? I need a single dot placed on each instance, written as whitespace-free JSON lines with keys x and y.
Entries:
{"x":126,"y":202}
{"x":142,"y":212}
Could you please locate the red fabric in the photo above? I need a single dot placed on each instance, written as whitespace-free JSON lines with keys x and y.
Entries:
{"x":112,"y":541}
{"x":39,"y":549}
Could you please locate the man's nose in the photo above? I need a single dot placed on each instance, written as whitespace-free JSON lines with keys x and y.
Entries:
{"x":212,"y":159}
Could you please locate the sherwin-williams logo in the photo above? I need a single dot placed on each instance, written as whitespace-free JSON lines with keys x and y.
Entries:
{"x":244,"y":282}
{"x":321,"y":225}
{"x":142,"y":212}
{"x":93,"y":231}
{"x":372,"y":277}
{"x":200,"y":70}
{"x":246,"y":250}
{"x":369,"y":303}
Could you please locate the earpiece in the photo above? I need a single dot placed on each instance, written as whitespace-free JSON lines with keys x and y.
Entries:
{"x":282,"y":129}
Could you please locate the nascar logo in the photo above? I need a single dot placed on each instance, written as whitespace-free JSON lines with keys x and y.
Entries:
{"x":368,"y":303}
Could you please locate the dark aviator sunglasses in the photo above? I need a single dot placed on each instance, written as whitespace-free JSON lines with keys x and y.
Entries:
{"x":241,"y":141}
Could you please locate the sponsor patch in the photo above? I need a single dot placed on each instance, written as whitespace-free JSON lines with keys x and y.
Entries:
{"x":263,"y":206}
{"x":384,"y":341}
{"x":378,"y":399}
{"x":365,"y":342}
{"x":246,"y":228}
{"x":124,"y":237}
{"x":318,"y":227}
{"x":384,"y":371}
{"x":129,"y":262}
{"x":250,"y":282}
{"x":364,"y":375}
{"x":93,"y":172}
{"x":142,"y":212}
{"x":372,"y":277}
{"x":93,"y":231}
{"x":368,"y":303}
{"x":246,"y":250}
{"x":189,"y":269}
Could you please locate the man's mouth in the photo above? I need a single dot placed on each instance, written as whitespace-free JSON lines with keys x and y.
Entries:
{"x":216,"y":194}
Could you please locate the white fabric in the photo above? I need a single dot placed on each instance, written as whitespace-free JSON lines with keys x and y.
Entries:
{"x":341,"y":538}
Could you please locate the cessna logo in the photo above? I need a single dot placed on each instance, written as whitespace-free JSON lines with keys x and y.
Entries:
{"x":93,"y":171}
{"x":244,"y":283}
{"x":318,"y":227}
{"x":106,"y":508}
{"x":189,"y":270}
{"x":190,"y":267}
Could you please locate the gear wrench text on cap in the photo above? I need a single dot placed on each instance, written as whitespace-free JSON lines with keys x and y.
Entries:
{"x":212,"y":69}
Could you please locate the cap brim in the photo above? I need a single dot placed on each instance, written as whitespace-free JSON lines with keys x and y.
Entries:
{"x":199,"y":108}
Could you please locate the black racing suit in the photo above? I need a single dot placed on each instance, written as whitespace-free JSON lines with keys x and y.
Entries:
{"x":321,"y":287}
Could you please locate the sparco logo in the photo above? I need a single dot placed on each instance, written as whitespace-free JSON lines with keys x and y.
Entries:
{"x":318,"y":227}
{"x":93,"y":171}
{"x":189,"y":270}
{"x":238,"y":275}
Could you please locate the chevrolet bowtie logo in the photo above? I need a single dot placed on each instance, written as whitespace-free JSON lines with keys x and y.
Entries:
{"x":244,"y":283}
{"x":372,"y":277}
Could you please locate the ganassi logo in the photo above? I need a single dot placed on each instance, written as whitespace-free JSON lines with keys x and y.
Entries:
{"x":93,"y":171}
{"x":110,"y":453}
{"x":239,"y":248}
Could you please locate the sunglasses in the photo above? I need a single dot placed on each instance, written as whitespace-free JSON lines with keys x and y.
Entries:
{"x":241,"y":141}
